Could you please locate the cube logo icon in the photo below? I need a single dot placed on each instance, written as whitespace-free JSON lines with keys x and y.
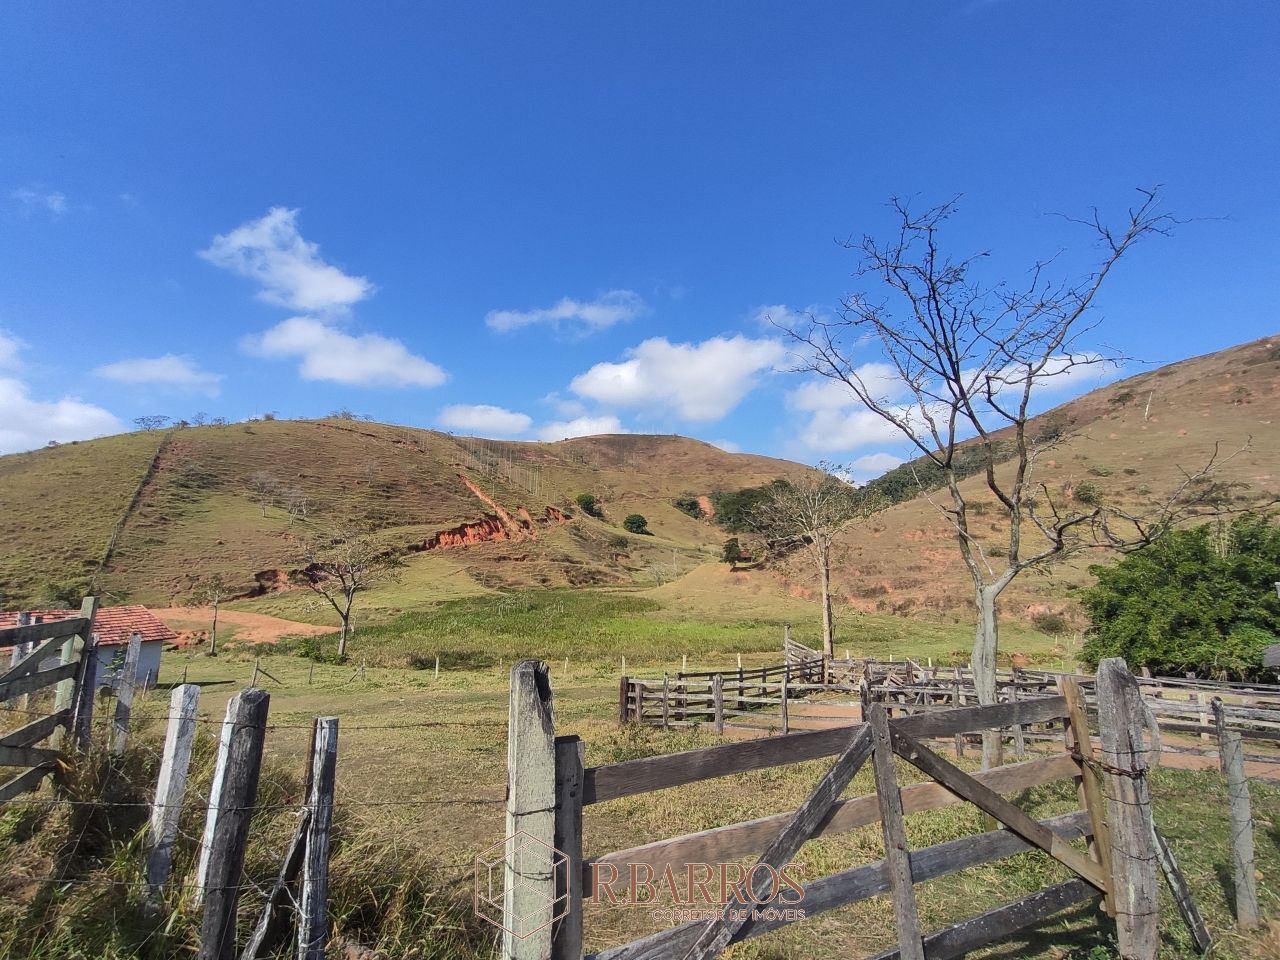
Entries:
{"x":520,"y":866}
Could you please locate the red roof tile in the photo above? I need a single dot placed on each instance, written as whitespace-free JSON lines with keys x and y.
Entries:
{"x":111,"y":624}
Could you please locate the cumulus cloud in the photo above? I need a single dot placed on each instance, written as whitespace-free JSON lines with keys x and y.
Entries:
{"x":728,"y":446}
{"x":484,"y":420}
{"x":32,"y":200}
{"x":288,"y":268}
{"x":871,"y":466}
{"x":837,"y":420}
{"x":700,"y":382}
{"x":581,"y":427}
{"x":27,"y":423}
{"x":327,"y":353}
{"x":615,"y":306}
{"x":170,"y":371}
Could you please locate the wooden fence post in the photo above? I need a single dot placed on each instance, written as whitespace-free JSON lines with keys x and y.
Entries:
{"x":226,"y":830}
{"x":786,"y":718}
{"x":64,"y":697}
{"x":81,"y":723}
{"x":897,"y":857}
{"x":313,"y":911}
{"x":125,"y":684}
{"x":666,"y":702}
{"x":1134,"y":864}
{"x":717,"y":702}
{"x":171,"y":786}
{"x":529,"y":882}
{"x":623,"y":710}
{"x":1231,"y":755}
{"x":566,"y":943}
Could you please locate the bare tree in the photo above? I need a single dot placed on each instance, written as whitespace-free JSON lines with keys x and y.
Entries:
{"x":808,"y":514}
{"x":264,"y":488}
{"x":152,"y":422}
{"x":341,"y":565}
{"x":966,"y":357}
{"x":297,"y":503}
{"x":212,"y":592}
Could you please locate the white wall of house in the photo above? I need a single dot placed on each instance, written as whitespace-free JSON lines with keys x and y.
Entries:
{"x":148,"y":661}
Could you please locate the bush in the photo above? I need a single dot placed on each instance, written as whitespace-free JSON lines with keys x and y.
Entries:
{"x":732,"y":552}
{"x":1088,"y":494}
{"x":589,"y":505}
{"x":688,"y":506}
{"x":1050,"y":623}
{"x":635,"y":523}
{"x":1099,"y":471}
{"x":1194,"y":601}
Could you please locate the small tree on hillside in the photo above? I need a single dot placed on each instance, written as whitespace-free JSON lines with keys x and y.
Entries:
{"x":635,"y":523}
{"x":264,"y":488}
{"x":339,"y":566}
{"x":808,"y":514}
{"x":732,"y":553}
{"x":963,"y":358}
{"x":152,"y":422}
{"x":211,"y":593}
{"x":589,"y":504}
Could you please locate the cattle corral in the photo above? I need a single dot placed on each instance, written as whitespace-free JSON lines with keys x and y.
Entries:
{"x":450,"y":805}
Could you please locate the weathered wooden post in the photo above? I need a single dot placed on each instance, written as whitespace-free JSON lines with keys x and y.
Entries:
{"x":125,"y":684}
{"x":897,"y":857}
{"x":529,"y":881}
{"x":566,"y":943}
{"x":786,"y":718}
{"x":1134,"y":863}
{"x":1231,"y":756}
{"x":313,"y":910}
{"x":226,"y":830}
{"x":171,"y":786}
{"x":64,"y":697}
{"x":717,"y":702}
{"x":666,"y":702}
{"x":85,"y":694}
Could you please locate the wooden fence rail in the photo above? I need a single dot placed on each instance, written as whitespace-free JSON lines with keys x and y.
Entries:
{"x":58,"y":654}
{"x":548,"y":788}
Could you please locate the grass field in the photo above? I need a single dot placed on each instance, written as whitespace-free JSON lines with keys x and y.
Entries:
{"x":421,"y":780}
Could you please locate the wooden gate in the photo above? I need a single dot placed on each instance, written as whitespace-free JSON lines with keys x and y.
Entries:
{"x":57,"y":652}
{"x":549,"y":786}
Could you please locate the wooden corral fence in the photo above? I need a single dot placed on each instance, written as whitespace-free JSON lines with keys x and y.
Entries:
{"x":549,"y":786}
{"x":756,"y":699}
{"x":58,"y":654}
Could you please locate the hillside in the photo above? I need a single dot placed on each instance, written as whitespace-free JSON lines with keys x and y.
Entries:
{"x":1130,"y":440}
{"x":167,"y":509}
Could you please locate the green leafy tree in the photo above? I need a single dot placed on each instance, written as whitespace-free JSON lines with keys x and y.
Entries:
{"x":589,"y":504}
{"x":1199,"y":600}
{"x":635,"y":523}
{"x":732,"y":553}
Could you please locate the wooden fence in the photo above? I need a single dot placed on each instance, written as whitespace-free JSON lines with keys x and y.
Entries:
{"x":58,"y":654}
{"x":549,"y":786}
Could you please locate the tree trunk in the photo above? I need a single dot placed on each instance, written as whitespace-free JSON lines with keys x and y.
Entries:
{"x":213,"y":632}
{"x":986,"y":641}
{"x":828,"y":628}
{"x":346,"y":628}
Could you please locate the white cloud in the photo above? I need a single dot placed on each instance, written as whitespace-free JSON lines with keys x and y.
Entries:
{"x":728,"y":446}
{"x":565,"y":406}
{"x":581,"y":427}
{"x":33,"y":199}
{"x":616,"y":306}
{"x":172,"y":371}
{"x":871,"y":466}
{"x":484,"y":420}
{"x":26,"y":423}
{"x":288,"y":268}
{"x":697,"y":381}
{"x":327,"y":353}
{"x":8,"y":350}
{"x":837,"y":419}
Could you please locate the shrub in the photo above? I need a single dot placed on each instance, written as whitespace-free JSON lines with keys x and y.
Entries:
{"x":732,"y":552}
{"x":1050,"y":623}
{"x":1088,"y":494}
{"x":589,"y":505}
{"x":1100,"y":471}
{"x":1194,"y":600}
{"x":688,"y":506}
{"x":636,"y":523}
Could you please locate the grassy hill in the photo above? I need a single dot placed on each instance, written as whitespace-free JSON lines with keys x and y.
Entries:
{"x":1130,"y":440}
{"x":149,"y":515}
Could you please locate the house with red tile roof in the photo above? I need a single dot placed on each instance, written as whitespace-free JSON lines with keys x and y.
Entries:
{"x":112,"y":628}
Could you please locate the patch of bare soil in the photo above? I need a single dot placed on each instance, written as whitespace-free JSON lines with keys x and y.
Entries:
{"x":193,"y":622}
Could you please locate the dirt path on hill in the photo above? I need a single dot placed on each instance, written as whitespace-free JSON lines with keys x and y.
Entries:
{"x":249,"y":627}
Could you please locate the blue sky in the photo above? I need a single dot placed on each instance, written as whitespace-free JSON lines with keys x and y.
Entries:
{"x":576,"y":213}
